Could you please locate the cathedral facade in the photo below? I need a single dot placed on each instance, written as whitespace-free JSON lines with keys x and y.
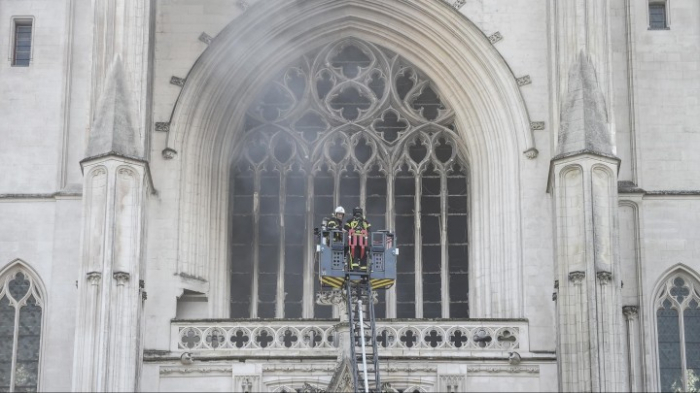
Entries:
{"x":164,"y":164}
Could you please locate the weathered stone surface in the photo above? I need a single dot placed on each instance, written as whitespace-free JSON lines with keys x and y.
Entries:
{"x":113,"y":128}
{"x":584,"y":117}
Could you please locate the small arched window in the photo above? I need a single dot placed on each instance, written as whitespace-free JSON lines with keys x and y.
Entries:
{"x":658,"y":15}
{"x":678,"y":330}
{"x":21,"y":313}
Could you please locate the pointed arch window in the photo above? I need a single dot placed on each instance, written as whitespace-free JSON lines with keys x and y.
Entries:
{"x":349,"y":124}
{"x":21,"y":314}
{"x":678,"y":331}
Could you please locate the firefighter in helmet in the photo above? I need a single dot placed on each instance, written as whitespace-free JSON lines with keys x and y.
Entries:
{"x":358,"y":234}
{"x":335,"y":222}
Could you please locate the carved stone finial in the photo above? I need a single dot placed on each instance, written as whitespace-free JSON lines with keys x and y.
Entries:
{"x":169,"y":153}
{"x":177,"y":81}
{"x":205,"y":38}
{"x":243,"y":4}
{"x":630,"y":312}
{"x":531,"y":153}
{"x":604,"y":277}
{"x":537,"y":125}
{"x":577,"y":277}
{"x":121,"y":277}
{"x":523,"y":80}
{"x":94,"y":278}
{"x":495,"y":37}
{"x":162,"y":126}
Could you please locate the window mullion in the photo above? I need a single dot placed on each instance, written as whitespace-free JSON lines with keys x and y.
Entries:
{"x":390,"y":223}
{"x":15,"y":343}
{"x":336,"y":202}
{"x":308,"y":295}
{"x":279,"y":303}
{"x":363,"y":191}
{"x":256,"y":245}
{"x":445,"y":265}
{"x":418,"y":246}
{"x":336,"y":188}
{"x":681,"y":338}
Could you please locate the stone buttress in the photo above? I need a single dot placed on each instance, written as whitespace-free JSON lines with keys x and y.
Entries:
{"x":583,"y":184}
{"x":116,"y":184}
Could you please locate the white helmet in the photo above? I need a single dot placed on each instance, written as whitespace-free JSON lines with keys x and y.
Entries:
{"x":340,"y":210}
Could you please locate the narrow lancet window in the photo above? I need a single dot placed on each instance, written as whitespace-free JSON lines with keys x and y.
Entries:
{"x":21,"y":313}
{"x":678,"y":334}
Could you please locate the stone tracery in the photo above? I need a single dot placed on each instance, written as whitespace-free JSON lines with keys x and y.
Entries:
{"x":350,"y":124}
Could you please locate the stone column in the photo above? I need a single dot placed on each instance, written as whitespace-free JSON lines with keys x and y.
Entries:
{"x":590,"y":326}
{"x":633,"y":355}
{"x":108,"y":333}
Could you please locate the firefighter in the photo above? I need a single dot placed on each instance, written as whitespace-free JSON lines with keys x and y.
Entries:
{"x":334,"y":223}
{"x":358,"y":234}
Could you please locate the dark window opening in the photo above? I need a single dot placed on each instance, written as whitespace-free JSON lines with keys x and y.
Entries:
{"x":22,"y":51}
{"x":657,"y":16}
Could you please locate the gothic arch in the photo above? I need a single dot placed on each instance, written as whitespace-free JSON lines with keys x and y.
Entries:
{"x":36,"y":291}
{"x":660,"y":290}
{"x":471,"y":75}
{"x":19,"y":264}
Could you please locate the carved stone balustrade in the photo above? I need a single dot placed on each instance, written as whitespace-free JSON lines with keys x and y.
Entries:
{"x":318,"y":338}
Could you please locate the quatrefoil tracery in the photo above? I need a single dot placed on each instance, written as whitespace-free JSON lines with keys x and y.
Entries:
{"x":349,"y":103}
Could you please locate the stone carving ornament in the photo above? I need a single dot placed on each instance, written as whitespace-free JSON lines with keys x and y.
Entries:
{"x":353,"y":104}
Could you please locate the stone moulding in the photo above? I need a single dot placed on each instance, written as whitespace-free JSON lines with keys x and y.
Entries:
{"x":498,"y":113}
{"x":321,"y":338}
{"x":503,"y":369}
{"x":195,"y":370}
{"x":305,"y":369}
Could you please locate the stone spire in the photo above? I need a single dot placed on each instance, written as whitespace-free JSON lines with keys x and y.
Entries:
{"x":584,"y":118}
{"x":113,"y":128}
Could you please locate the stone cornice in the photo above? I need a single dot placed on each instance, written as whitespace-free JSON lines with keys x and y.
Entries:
{"x":583,"y":152}
{"x":133,"y":159}
{"x":45,"y":196}
{"x":629,"y":188}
